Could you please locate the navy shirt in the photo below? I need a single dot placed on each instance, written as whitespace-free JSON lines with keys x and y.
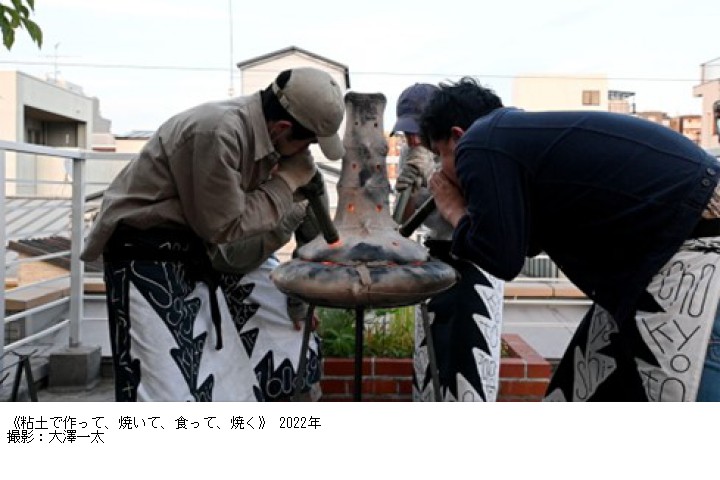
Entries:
{"x":609,"y":197}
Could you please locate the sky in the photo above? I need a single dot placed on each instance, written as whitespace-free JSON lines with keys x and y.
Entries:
{"x":149,"y":59}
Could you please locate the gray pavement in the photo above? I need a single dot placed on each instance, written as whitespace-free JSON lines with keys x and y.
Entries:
{"x":103,"y":391}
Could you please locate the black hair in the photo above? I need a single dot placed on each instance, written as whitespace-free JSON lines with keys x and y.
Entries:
{"x":274,"y":111}
{"x":456,"y":104}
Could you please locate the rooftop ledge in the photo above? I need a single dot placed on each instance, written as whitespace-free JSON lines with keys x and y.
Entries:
{"x":34,"y":296}
{"x":528,"y":288}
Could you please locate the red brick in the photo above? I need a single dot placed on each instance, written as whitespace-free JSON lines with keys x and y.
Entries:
{"x":522,"y":398}
{"x":374,"y":386}
{"x":335,"y":386}
{"x":399,"y":367}
{"x":405,"y":386}
{"x":523,"y":387}
{"x":335,"y":398}
{"x":344,"y":366}
{"x":512,"y":368}
{"x":338,"y":366}
{"x":540,"y":369}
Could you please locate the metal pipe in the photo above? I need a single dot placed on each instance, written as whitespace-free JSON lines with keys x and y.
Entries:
{"x":3,"y":253}
{"x":31,"y":311}
{"x":77,"y":267}
{"x":38,"y":335}
{"x":418,"y":217}
{"x":432,"y":359}
{"x":401,"y":205}
{"x":302,"y":373}
{"x":359,"y":334}
{"x":313,"y":191}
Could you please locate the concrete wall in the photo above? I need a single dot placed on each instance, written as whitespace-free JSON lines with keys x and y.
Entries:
{"x":557,"y":92}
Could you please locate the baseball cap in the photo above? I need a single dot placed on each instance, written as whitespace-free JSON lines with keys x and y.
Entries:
{"x":315,"y":100}
{"x":410,"y":105}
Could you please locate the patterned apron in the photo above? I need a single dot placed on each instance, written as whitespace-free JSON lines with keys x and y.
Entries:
{"x":165,"y":327}
{"x":659,"y":354}
{"x":465,"y":325}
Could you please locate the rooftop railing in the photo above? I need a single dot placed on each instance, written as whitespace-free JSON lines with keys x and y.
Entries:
{"x":12,"y":154}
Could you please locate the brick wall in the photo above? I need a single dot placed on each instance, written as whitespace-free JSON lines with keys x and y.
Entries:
{"x":524,"y":376}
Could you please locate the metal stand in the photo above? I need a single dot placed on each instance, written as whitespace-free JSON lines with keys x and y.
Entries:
{"x":432,"y":359}
{"x":23,"y":365}
{"x":302,"y":372}
{"x":359,"y":337}
{"x":359,"y":347}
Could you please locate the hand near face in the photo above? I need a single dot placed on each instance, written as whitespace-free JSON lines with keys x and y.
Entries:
{"x":448,"y":198}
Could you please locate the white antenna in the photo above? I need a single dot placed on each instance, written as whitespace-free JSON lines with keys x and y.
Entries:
{"x":56,"y":72}
{"x":231,"y":90}
{"x":55,"y":75}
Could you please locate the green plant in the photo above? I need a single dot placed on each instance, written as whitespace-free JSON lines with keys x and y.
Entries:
{"x":337,"y":331}
{"x":387,"y":333}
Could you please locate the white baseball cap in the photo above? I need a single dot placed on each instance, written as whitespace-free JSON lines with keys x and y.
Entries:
{"x":315,"y":100}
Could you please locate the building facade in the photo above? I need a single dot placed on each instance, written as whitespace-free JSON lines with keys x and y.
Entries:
{"x":51,"y":113}
{"x":561,"y":92}
{"x":709,"y":91}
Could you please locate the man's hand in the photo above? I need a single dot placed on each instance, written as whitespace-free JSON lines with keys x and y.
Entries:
{"x":411,"y":177}
{"x":297,"y":170}
{"x":448,"y":198}
{"x":418,"y":164}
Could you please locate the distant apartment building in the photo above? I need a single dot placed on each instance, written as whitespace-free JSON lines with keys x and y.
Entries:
{"x":688,"y":125}
{"x":656,"y":117}
{"x":53,"y":113}
{"x":621,"y":101}
{"x":709,"y":91}
{"x":561,"y":92}
{"x":590,"y":92}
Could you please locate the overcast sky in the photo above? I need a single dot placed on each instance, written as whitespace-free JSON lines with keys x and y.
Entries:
{"x":148,"y":59}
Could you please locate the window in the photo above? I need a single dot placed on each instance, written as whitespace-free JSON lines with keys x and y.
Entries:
{"x":591,"y":97}
{"x":716,"y":118}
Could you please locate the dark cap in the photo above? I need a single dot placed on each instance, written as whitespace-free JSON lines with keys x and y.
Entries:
{"x":410,"y":105}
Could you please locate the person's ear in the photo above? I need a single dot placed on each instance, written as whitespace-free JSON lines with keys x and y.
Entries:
{"x":277,"y":128}
{"x":456,"y":133}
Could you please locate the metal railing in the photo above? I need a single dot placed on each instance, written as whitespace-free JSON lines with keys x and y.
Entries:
{"x":78,"y":185}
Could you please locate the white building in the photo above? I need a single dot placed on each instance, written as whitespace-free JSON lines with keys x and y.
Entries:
{"x":709,"y":91}
{"x":51,"y":113}
{"x":561,"y":92}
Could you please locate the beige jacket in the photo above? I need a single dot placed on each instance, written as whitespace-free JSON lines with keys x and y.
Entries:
{"x":208,"y":169}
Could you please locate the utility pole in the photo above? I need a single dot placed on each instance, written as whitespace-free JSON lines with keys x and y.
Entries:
{"x":56,"y":71}
{"x":231,"y":89}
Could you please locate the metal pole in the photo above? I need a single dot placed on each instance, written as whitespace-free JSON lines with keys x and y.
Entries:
{"x":77,"y":267}
{"x":359,"y":331}
{"x":3,"y":252}
{"x":432,"y":359}
{"x":302,"y":372}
